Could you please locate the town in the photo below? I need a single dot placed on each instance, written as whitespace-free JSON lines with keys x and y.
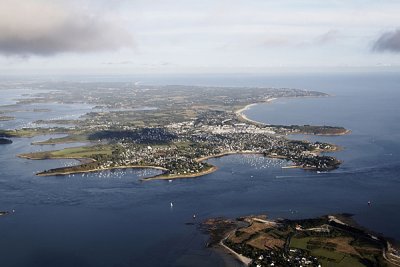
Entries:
{"x":181,"y":148}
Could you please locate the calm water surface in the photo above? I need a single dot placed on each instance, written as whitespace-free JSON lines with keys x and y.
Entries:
{"x":112,"y":219}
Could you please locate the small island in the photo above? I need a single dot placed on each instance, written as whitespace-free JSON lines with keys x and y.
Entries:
{"x":333,"y":240}
{"x":5,"y":141}
{"x":6,"y":118}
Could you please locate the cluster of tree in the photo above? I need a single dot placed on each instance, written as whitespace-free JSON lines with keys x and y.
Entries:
{"x":140,"y":136}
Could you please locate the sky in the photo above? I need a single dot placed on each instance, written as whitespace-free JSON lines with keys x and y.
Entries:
{"x":188,"y":36}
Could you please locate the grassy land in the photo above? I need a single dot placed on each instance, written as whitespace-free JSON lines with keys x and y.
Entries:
{"x":83,"y":152}
{"x":327,"y":251}
{"x":63,"y":140}
{"x":71,"y":153}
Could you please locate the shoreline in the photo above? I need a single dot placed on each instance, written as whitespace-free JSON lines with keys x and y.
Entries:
{"x":338,"y":134}
{"x":183,"y":176}
{"x":90,"y":160}
{"x":198,"y":174}
{"x":227,"y":154}
{"x":101,"y":169}
{"x":228,"y":259}
{"x":244,"y":260}
{"x":162,"y":176}
{"x":341,"y":222}
{"x":156,"y":177}
{"x":242,"y":116}
{"x":83,"y":160}
{"x":86,"y":160}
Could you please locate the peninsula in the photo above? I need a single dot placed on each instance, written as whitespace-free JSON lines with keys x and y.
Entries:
{"x":173,"y":128}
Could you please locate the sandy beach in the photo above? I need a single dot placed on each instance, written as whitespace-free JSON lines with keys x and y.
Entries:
{"x":246,"y":261}
{"x":244,"y":117}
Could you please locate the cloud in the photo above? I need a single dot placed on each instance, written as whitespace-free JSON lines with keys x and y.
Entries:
{"x":44,"y":27}
{"x":388,"y":41}
{"x":125,"y":62}
{"x":300,"y":39}
{"x":276,"y":41}
{"x":327,"y":37}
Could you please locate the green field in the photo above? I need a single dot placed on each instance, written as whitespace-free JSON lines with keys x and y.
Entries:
{"x":82,"y":152}
{"x":64,"y":140}
{"x":74,"y":152}
{"x":327,"y":257}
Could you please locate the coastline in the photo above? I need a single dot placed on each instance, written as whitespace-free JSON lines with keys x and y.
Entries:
{"x":241,"y":115}
{"x":228,"y":259}
{"x":162,"y":176}
{"x":227,"y":154}
{"x":183,"y":176}
{"x":338,"y":134}
{"x":82,"y":160}
{"x":198,"y":174}
{"x":246,"y":261}
{"x":87,"y":160}
{"x":387,"y":252}
{"x":157,"y":177}
{"x":100,"y":169}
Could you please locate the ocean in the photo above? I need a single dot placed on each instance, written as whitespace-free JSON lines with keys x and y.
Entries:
{"x":113,"y":219}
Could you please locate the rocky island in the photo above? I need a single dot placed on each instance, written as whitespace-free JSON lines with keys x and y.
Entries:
{"x":4,"y":141}
{"x":333,"y":240}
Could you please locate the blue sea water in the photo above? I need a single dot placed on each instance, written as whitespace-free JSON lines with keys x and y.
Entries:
{"x":112,"y":219}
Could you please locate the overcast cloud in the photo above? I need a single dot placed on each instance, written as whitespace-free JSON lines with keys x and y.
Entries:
{"x":196,"y":36}
{"x":43,"y":27}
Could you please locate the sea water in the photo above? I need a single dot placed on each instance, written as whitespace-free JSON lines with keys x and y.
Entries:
{"x":112,"y":219}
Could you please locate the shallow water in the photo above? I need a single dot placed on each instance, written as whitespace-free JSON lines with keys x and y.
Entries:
{"x":26,"y":115}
